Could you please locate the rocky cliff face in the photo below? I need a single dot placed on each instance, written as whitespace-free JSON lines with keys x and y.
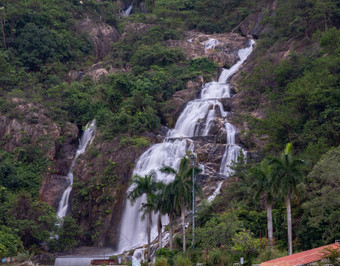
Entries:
{"x":101,"y":35}
{"x":29,"y":123}
{"x":223,"y":52}
{"x":102,"y":176}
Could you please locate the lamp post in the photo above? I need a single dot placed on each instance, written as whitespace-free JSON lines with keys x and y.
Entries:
{"x":193,"y":158}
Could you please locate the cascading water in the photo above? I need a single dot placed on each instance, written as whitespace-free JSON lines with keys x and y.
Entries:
{"x":127,"y":12}
{"x":210,"y":44}
{"x":133,"y":229}
{"x":87,"y":137}
{"x":171,"y":151}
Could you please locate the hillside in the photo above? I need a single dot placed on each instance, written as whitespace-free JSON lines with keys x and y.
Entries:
{"x":64,"y":63}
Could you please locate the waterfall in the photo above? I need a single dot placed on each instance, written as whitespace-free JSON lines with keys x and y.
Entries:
{"x":198,"y":112}
{"x":210,"y":44}
{"x":133,"y":229}
{"x":127,"y":11}
{"x":86,"y":137}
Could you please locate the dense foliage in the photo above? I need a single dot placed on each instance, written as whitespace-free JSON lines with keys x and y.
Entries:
{"x":299,"y":90}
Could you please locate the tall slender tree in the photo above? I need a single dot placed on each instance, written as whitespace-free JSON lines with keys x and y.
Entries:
{"x":160,"y":205}
{"x":149,"y":186}
{"x":182,"y":188}
{"x":171,"y":210}
{"x":263,"y":185}
{"x":287,"y":174}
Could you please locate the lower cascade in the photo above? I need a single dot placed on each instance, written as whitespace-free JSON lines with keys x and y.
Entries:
{"x":86,"y":137}
{"x":198,"y":112}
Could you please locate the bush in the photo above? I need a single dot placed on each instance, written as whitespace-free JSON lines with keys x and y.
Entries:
{"x":67,"y":235}
{"x":167,"y":254}
{"x":40,"y":46}
{"x":147,"y":56}
{"x":203,"y":64}
{"x":10,"y":243}
{"x":162,"y":261}
{"x":182,"y":261}
{"x":218,"y":257}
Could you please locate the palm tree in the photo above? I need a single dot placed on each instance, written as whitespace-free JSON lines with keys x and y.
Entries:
{"x":149,"y":186}
{"x":182,"y":188}
{"x":170,"y":209}
{"x":264,"y":191}
{"x":287,"y":175}
{"x":160,"y":206}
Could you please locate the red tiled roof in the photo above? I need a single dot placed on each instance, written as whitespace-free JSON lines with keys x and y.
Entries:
{"x":301,"y":258}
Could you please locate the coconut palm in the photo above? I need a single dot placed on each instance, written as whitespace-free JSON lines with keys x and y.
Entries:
{"x":287,"y":175}
{"x":263,"y":186}
{"x":182,"y":188}
{"x":160,"y":207}
{"x":170,"y":209}
{"x":149,"y":186}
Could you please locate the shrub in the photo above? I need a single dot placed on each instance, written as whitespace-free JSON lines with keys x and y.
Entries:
{"x":218,"y":257}
{"x":147,"y":56}
{"x":162,"y":261}
{"x":182,"y":261}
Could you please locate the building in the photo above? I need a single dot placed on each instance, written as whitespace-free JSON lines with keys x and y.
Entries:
{"x":309,"y":257}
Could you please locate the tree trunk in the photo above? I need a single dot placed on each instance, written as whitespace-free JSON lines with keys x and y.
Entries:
{"x":2,"y":21}
{"x":289,"y":225}
{"x":183,"y":224}
{"x":159,"y":226}
{"x":171,"y":231}
{"x":149,"y":222}
{"x":270,"y":226}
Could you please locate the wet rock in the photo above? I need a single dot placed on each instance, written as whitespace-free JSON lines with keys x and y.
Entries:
{"x":52,"y":189}
{"x":227,"y":104}
{"x":175,"y":105}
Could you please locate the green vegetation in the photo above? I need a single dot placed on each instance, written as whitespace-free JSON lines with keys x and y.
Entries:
{"x":297,"y":91}
{"x":182,"y":188}
{"x":38,"y":47}
{"x":145,"y":185}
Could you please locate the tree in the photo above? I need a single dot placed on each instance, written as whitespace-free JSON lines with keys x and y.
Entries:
{"x":182,"y":188}
{"x":160,"y":205}
{"x":321,"y":211}
{"x":66,"y":235}
{"x":10,"y":243}
{"x":33,"y":220}
{"x":168,"y":206}
{"x":37,"y":46}
{"x":287,"y":175}
{"x":149,"y":186}
{"x":263,"y":185}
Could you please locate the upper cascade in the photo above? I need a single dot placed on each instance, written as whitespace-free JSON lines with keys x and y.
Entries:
{"x":197,"y":110}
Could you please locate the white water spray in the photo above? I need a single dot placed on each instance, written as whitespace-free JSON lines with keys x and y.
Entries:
{"x":87,"y":137}
{"x":127,"y":11}
{"x":210,"y":44}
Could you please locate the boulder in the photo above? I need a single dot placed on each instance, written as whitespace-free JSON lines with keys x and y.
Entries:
{"x":224,"y":52}
{"x":101,"y":35}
